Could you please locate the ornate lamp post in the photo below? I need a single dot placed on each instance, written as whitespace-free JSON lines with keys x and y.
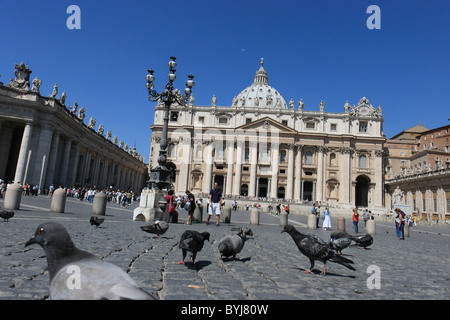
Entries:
{"x":160,"y":176}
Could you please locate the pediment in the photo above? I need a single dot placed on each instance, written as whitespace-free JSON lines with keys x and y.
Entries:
{"x":267,"y":124}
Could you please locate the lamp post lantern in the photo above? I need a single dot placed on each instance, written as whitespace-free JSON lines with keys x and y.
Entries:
{"x":160,"y":175}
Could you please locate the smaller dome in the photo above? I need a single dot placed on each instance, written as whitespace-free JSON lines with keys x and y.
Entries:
{"x":260,"y":94}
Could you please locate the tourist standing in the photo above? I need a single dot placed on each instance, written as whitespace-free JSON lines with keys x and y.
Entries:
{"x":355,"y":220}
{"x":327,"y":222}
{"x":400,"y":223}
{"x":192,"y":206}
{"x":317,"y":216}
{"x":215,"y":202}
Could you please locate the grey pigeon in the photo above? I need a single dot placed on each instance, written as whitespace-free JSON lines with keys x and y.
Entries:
{"x":157,"y":227}
{"x":231,"y":245}
{"x":316,"y":249}
{"x":6,"y":215}
{"x":339,"y":241}
{"x":363,"y":241}
{"x":192,"y":241}
{"x":79,"y":275}
{"x":96,"y":221}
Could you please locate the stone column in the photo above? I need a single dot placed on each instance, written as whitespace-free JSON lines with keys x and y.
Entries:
{"x":298,"y":173}
{"x":230,"y":162}
{"x":23,"y":154}
{"x":345,"y":177}
{"x":52,"y":159}
{"x":290,"y":172}
{"x":209,"y":163}
{"x":377,"y":196}
{"x":275,"y":166}
{"x":76,"y":163}
{"x":65,"y":162}
{"x":253,"y":168}
{"x":238,"y":168}
{"x":42,"y":155}
{"x":319,"y":185}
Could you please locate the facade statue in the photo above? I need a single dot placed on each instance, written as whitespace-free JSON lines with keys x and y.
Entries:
{"x":81,"y":114}
{"x":346,"y":107}
{"x":321,"y":106}
{"x":213,"y":101}
{"x":74,"y":108}
{"x":256,"y":102}
{"x":115,"y":140}
{"x":101,"y":129}
{"x":55,"y":91}
{"x":126,"y":147}
{"x":91,"y":123}
{"x":269,"y":101}
{"x":191,"y":100}
{"x":121,"y":144}
{"x":235,"y":102}
{"x":22,"y":80}
{"x":36,"y":85}
{"x":108,"y":135}
{"x":62,"y":100}
{"x":301,"y":104}
{"x":292,"y":104}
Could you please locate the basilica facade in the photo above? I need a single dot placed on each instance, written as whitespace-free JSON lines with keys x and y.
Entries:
{"x":262,"y":147}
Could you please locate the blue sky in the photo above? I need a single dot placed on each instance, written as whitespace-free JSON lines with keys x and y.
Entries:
{"x":314,"y":50}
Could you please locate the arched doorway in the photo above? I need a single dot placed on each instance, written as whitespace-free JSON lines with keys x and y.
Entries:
{"x":244,"y":190}
{"x":362,"y":191}
{"x":280,"y":193}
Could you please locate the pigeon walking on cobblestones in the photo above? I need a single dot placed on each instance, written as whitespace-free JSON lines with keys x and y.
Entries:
{"x":6,"y":215}
{"x":157,"y":227}
{"x":96,"y":221}
{"x":363,"y":241}
{"x":316,"y":249}
{"x":79,"y":275}
{"x":192,"y":241}
{"x":231,"y":245}
{"x":339,"y":241}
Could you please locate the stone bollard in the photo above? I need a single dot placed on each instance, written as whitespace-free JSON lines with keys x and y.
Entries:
{"x":58,"y":201}
{"x":198,"y":214}
{"x":254,"y":216}
{"x":312,"y":221}
{"x":341,"y":224}
{"x":99,"y":206}
{"x":226,"y":215}
{"x":370,"y":227}
{"x":406,"y":231}
{"x":283,"y":219}
{"x":13,"y":197}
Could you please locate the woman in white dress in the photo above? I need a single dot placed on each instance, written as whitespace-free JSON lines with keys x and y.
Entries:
{"x":326,"y":222}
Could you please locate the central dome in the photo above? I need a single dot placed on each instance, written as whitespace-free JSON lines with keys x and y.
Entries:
{"x":260,"y":94}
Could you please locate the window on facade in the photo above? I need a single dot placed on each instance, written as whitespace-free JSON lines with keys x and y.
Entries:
{"x":248,"y":120}
{"x":264,"y":156}
{"x":424,"y":203}
{"x":435,"y":205}
{"x":363,"y":126}
{"x":308,"y":157}
{"x":333,"y":159}
{"x":247,"y":154}
{"x":221,"y":152}
{"x":201,"y":120}
{"x":333,"y":127}
{"x":282,"y":171}
{"x":284,"y":122}
{"x":283,"y":156}
{"x":198,"y":151}
{"x":171,"y":150}
{"x":310,"y":125}
{"x":173,"y":116}
{"x":223,"y":120}
{"x":362,"y":161}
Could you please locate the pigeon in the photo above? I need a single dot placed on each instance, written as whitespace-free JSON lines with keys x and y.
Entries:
{"x":339,"y":241}
{"x":94,"y":220}
{"x":157,"y":227}
{"x":6,"y":215}
{"x":363,"y":241}
{"x":192,"y":241}
{"x":232,"y":244}
{"x":79,"y":275}
{"x":316,"y":249}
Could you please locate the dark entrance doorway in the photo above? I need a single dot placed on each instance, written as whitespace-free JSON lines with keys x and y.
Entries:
{"x":263,"y":187}
{"x":362,"y":191}
{"x":220,"y":180}
{"x":308,"y":190}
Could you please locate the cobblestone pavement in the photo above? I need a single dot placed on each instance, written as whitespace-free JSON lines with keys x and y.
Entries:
{"x":269,"y":266}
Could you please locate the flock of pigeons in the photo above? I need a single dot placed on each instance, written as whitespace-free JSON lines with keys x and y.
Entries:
{"x":103,"y":280}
